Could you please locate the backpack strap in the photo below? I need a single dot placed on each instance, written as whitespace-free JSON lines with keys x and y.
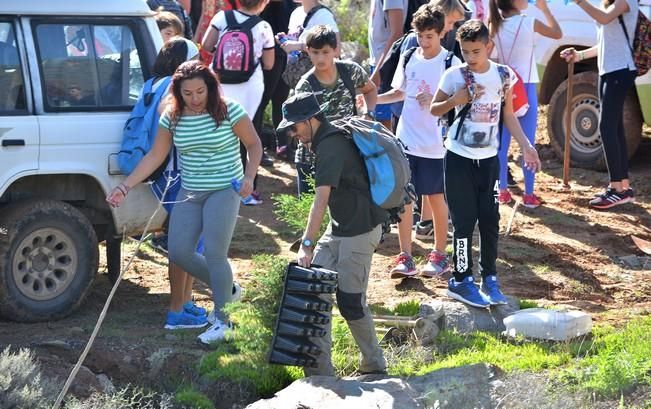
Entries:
{"x":348,"y":82}
{"x":448,"y":64}
{"x":628,"y":39}
{"x":407,"y":56}
{"x":248,"y":24}
{"x":469,"y":79}
{"x":505,"y":76}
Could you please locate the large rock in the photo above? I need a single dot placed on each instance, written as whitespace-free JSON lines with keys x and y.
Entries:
{"x":456,"y":315}
{"x":463,"y":387}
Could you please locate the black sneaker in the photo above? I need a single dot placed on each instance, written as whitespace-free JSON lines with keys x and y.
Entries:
{"x":160,"y":243}
{"x":424,"y":229}
{"x":510,"y":181}
{"x":266,"y":161}
{"x":611,"y":198}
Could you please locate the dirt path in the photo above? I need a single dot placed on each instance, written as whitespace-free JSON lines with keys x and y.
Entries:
{"x":561,"y":254}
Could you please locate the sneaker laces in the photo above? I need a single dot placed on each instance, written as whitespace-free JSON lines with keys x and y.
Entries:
{"x":435,"y":257}
{"x":404,"y":259}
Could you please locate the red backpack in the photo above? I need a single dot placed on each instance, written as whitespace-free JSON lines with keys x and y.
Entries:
{"x":234,"y":59}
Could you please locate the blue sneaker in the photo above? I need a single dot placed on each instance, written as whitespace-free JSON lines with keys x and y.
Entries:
{"x":182,"y":320}
{"x":467,"y":292}
{"x":193,"y":309}
{"x":490,"y":289}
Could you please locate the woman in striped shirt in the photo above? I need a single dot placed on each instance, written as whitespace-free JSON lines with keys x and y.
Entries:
{"x":206,"y":131}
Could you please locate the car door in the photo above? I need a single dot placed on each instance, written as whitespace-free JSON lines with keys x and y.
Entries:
{"x":91,"y":72}
{"x":19,"y":137}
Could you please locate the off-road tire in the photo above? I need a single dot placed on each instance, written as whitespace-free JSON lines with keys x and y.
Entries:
{"x":48,"y":260}
{"x":587,"y":150}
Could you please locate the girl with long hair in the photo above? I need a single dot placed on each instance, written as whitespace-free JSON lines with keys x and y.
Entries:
{"x":513,"y":34}
{"x":617,"y":74}
{"x":206,"y":130}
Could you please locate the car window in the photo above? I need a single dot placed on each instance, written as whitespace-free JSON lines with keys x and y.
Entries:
{"x":11,"y":76}
{"x":88,"y":66}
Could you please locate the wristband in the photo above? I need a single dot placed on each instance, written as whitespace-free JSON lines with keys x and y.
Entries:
{"x":581,"y":55}
{"x":123,"y":188}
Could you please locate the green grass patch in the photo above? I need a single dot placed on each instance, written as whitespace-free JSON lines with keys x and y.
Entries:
{"x":245,"y":358}
{"x":295,"y":210}
{"x":524,"y":304}
{"x":620,"y":360}
{"x":189,"y":397}
{"x":407,"y":308}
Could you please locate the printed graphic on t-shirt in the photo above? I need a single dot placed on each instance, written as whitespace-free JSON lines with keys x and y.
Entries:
{"x":479,"y":129}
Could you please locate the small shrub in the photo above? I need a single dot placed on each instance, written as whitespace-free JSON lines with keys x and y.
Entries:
{"x":21,"y":385}
{"x":295,"y":211}
{"x":407,"y":308}
{"x":528,"y":304}
{"x":127,"y":398}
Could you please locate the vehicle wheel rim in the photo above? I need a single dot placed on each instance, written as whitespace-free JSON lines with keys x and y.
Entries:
{"x":585,"y":136}
{"x":44,"y":264}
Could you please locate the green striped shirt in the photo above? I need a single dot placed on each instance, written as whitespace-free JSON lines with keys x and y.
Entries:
{"x":210,"y":156}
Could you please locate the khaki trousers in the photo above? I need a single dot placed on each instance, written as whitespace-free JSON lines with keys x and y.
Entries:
{"x":351,"y":258}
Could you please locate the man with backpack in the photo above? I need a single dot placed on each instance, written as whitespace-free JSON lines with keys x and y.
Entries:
{"x":355,"y":228}
{"x":334,"y":83}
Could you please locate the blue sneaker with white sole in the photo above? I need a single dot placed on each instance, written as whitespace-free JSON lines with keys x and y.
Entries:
{"x":183,"y":320}
{"x":467,"y":292}
{"x":490,"y":289}
{"x":194,"y":309}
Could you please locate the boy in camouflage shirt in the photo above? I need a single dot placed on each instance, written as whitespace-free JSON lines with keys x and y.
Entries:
{"x":334,"y":83}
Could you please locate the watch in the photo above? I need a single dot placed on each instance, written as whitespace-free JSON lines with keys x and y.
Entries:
{"x":307,"y":243}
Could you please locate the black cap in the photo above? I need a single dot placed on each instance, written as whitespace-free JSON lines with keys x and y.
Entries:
{"x":299,"y":108}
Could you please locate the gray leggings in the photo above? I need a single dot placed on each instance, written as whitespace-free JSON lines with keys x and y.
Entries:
{"x":213,"y":214}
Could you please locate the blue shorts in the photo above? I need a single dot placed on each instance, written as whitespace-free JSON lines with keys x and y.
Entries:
{"x":382,"y":111}
{"x":426,"y":175}
{"x":158,"y":187}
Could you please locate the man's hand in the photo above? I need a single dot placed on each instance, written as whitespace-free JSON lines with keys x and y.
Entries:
{"x":305,"y":255}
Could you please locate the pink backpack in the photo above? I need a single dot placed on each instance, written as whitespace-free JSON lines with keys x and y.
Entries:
{"x":234,"y":59}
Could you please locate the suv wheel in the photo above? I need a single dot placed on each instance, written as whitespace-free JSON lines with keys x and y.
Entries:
{"x":585,"y":141}
{"x":48,"y":260}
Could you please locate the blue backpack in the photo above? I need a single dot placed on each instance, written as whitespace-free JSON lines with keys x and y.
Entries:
{"x":385,"y":161}
{"x":141,"y":127}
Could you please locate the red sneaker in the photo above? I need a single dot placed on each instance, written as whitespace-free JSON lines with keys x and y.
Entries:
{"x":531,"y":201}
{"x":505,"y":197}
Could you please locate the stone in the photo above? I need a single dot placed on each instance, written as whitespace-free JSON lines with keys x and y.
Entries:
{"x":77,"y":331}
{"x":105,"y":383}
{"x":631,"y":261}
{"x":426,"y":331}
{"x":353,"y":51}
{"x":462,"y":387}
{"x":466,"y":319}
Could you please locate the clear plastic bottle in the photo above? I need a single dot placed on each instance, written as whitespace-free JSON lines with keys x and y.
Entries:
{"x":292,"y":56}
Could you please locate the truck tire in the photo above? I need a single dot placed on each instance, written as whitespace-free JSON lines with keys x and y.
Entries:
{"x":48,"y":260}
{"x":585,"y":142}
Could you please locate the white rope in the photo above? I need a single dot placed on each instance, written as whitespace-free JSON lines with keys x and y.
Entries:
{"x":102,"y":315}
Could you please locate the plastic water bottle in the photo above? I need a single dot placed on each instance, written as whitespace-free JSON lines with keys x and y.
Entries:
{"x":291,"y":56}
{"x":548,"y":324}
{"x":237,"y":185}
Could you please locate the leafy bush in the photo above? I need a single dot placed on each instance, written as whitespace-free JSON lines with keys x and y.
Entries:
{"x":295,"y":211}
{"x":352,"y":20}
{"x":245,"y":359}
{"x":127,"y":398}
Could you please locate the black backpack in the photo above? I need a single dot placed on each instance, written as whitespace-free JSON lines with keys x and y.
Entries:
{"x":345,"y":78}
{"x":412,"y":7}
{"x":391,"y":63}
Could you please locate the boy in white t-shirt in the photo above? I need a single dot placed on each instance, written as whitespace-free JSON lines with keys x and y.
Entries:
{"x":481,"y":92}
{"x":415,"y":81}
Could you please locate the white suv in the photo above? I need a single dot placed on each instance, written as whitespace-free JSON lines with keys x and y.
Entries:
{"x":579,"y":30}
{"x":70,"y":72}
